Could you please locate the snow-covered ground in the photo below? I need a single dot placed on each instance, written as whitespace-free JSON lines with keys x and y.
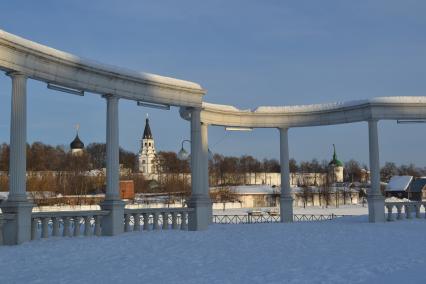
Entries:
{"x":346,"y":250}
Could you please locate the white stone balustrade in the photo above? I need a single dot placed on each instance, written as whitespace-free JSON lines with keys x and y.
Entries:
{"x":69,"y":221}
{"x":410,"y":208}
{"x":156,"y":219}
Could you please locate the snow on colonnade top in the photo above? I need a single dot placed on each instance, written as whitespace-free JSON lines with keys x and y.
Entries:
{"x":120,"y":71}
{"x":319,"y":107}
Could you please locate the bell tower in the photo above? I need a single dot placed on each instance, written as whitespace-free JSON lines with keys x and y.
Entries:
{"x":147,"y":152}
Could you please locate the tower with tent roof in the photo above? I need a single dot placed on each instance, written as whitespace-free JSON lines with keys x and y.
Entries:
{"x":147,"y":153}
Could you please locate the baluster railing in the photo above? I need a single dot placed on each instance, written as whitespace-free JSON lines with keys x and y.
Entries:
{"x":184,"y":220}
{"x":45,"y":227}
{"x":424,"y":207}
{"x":98,"y":231}
{"x":2,"y":222}
{"x":156,"y":225}
{"x":175,"y":225}
{"x":417,"y":209}
{"x":55,"y":226}
{"x":34,"y":229}
{"x":389,"y":207}
{"x":66,"y":223}
{"x":146,"y":226}
{"x":88,"y":226}
{"x":67,"y":227}
{"x":137,"y":221}
{"x":410,"y":208}
{"x":127,"y":222}
{"x":399,"y":211}
{"x":160,"y":218}
{"x":165,"y":220}
{"x":76,"y":226}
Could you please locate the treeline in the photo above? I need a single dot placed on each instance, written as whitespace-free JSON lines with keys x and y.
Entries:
{"x":391,"y":169}
{"x":42,"y":157}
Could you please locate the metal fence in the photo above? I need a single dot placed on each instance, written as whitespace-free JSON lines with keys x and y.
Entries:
{"x":253,"y":219}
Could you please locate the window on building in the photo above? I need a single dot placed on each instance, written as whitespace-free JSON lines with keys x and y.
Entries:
{"x":149,"y":144}
{"x":145,"y":144}
{"x":143,"y":161}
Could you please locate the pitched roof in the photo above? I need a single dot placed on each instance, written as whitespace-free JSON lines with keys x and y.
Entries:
{"x":399,"y":183}
{"x":418,"y":185}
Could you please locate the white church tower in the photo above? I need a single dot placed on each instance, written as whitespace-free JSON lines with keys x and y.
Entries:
{"x":147,"y":152}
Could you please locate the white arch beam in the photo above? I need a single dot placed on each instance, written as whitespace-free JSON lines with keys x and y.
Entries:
{"x":380,"y":108}
{"x":46,"y":64}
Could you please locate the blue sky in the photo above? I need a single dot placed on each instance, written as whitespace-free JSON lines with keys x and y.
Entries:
{"x":244,"y":52}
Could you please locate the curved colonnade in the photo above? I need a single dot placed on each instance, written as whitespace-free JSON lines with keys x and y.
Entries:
{"x":285,"y":117}
{"x":22,"y":59}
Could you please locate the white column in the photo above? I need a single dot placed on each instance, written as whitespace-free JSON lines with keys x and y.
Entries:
{"x":199,"y":219}
{"x":112,"y":150}
{"x":286,"y":200}
{"x":376,"y":206}
{"x":205,"y":150}
{"x":19,"y":230}
{"x":18,"y":138}
{"x":113,"y":223}
{"x":196,"y":154}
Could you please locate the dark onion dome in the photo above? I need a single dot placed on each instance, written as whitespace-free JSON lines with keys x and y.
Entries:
{"x":147,"y":132}
{"x":77,"y":143}
{"x":335,"y":162}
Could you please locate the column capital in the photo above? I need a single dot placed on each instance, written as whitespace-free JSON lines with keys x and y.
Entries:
{"x":110,"y":97}
{"x":16,"y":74}
{"x":194,"y":109}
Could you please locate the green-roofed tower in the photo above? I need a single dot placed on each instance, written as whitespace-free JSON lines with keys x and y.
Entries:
{"x":335,"y":168}
{"x":335,"y":161}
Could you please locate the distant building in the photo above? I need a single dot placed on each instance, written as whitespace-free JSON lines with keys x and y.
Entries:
{"x":335,"y":169}
{"x":333,"y":176}
{"x":406,"y":187}
{"x":147,"y":153}
{"x":258,"y":196}
{"x":77,"y":146}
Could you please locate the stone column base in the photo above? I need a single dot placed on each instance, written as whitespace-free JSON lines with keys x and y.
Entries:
{"x":113,"y":223}
{"x":286,"y":209}
{"x":19,"y":230}
{"x":376,"y":208}
{"x":200,"y":218}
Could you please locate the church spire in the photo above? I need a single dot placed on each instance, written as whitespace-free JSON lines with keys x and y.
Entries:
{"x":147,"y":131}
{"x":335,"y":162}
{"x":334,"y":153}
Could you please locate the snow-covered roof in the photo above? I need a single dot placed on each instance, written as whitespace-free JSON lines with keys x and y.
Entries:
{"x":399,"y":183}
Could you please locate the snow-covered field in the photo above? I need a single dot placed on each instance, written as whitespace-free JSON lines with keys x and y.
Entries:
{"x":346,"y":250}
